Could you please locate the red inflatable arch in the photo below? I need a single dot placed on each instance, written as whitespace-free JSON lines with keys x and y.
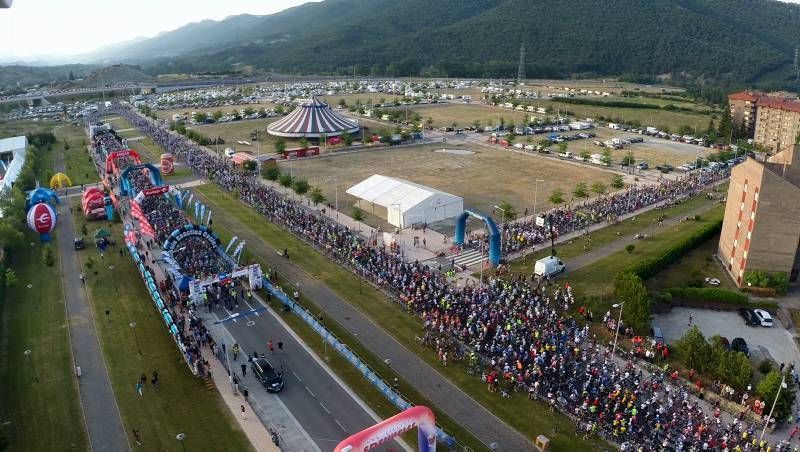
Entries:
{"x":111,"y":160}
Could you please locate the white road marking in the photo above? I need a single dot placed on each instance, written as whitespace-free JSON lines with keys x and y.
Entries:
{"x":297,"y":376}
{"x":312,"y":394}
{"x":325,"y":408}
{"x":340,"y":425}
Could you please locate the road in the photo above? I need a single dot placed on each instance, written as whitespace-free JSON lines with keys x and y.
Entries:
{"x":103,"y":419}
{"x":327,"y":411}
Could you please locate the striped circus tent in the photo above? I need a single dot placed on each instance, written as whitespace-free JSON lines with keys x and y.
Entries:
{"x":312,"y":119}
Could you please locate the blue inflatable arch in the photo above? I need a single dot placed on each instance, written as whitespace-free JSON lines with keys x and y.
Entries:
{"x":125,"y":183}
{"x":494,"y":234}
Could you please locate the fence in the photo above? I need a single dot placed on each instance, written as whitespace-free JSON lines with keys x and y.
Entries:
{"x":367,"y":372}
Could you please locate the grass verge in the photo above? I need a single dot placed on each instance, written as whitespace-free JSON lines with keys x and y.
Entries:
{"x":183,"y":403}
{"x":43,"y":415}
{"x":77,"y":161}
{"x":388,"y":315}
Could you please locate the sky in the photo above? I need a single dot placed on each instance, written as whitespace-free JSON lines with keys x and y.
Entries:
{"x":31,"y":29}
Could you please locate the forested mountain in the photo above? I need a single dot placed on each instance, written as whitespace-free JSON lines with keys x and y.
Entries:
{"x":733,"y":41}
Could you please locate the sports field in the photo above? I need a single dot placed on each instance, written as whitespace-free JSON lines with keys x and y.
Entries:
{"x":482,"y":176}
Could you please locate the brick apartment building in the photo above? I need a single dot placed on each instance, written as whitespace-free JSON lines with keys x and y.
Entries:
{"x":772,"y":119}
{"x":743,"y":110}
{"x":777,"y":122}
{"x":761,"y":227}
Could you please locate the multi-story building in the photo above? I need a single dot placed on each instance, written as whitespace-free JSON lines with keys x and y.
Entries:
{"x":743,"y":110}
{"x":777,"y":122}
{"x":761,"y":227}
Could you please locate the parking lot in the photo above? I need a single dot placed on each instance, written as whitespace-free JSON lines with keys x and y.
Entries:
{"x":775,"y":343}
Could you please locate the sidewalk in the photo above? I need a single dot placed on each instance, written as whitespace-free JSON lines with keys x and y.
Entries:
{"x":256,"y":432}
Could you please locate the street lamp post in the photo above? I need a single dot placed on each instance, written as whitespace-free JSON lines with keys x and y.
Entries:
{"x":28,"y":353}
{"x":616,"y":332}
{"x":536,"y":193}
{"x":769,"y":417}
{"x":136,"y":337}
{"x":336,"y":195}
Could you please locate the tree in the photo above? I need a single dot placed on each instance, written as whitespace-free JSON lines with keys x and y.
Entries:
{"x":585,"y":155}
{"x":685,"y":130}
{"x":316,"y":195}
{"x":347,"y":138}
{"x":580,"y":190}
{"x":768,"y":389}
{"x":303,"y":143}
{"x":599,"y":188}
{"x":49,"y":258}
{"x":477,"y":124}
{"x":285,"y":179}
{"x":429,"y":122}
{"x":606,"y":158}
{"x":630,"y":247}
{"x":200,"y":117}
{"x":280,"y":145}
{"x":507,"y":212}
{"x":711,"y":129}
{"x":248,"y":111}
{"x":357,"y":214}
{"x":300,"y":186}
{"x":693,"y":350}
{"x":557,"y":196}
{"x":11,"y":277}
{"x":271,"y":172}
{"x":562,"y":147}
{"x":725,"y":126}
{"x":217,"y":115}
{"x":628,"y":159}
{"x":342,"y":103}
{"x":510,"y":138}
{"x":731,"y":367}
{"x":71,"y":76}
{"x":617,"y":181}
{"x":630,"y":289}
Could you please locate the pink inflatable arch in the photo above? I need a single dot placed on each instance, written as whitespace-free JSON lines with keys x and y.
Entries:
{"x":371,"y":438}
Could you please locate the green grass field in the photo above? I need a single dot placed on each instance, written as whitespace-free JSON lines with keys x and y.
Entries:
{"x":77,"y":162}
{"x":43,"y":415}
{"x":697,"y":264}
{"x":596,"y":281}
{"x":609,"y":234}
{"x":183,"y":404}
{"x":660,"y":119}
{"x":404,"y":327}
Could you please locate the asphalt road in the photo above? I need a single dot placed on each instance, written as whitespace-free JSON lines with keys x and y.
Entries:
{"x":325,"y":410}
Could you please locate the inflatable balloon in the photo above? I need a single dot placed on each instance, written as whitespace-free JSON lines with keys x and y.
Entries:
{"x":42,"y":219}
{"x":40,"y":195}
{"x":60,"y":180}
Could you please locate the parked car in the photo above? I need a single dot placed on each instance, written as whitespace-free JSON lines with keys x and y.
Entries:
{"x":78,"y":242}
{"x":764,"y":319}
{"x":657,"y":335}
{"x":271,"y":378}
{"x":725,"y":342}
{"x":739,"y":345}
{"x":749,"y":317}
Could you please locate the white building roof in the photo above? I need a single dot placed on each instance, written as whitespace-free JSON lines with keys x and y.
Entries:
{"x":15,"y":145}
{"x":396,"y":193}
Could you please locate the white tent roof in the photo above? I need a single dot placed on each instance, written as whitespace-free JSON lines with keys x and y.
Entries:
{"x":15,"y":145}
{"x":392,"y":192}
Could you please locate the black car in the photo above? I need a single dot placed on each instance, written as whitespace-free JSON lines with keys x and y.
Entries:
{"x":657,"y":335}
{"x":78,"y":243}
{"x":749,"y":317}
{"x":739,"y":345}
{"x":271,"y":378}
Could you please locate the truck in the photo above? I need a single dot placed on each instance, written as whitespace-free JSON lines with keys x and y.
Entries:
{"x":548,"y":266}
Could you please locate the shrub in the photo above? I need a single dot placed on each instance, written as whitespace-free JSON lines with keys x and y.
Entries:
{"x":271,"y":172}
{"x":774,"y":280}
{"x":357,"y":214}
{"x":709,"y":294}
{"x":300,"y":186}
{"x":11,"y":277}
{"x":49,"y":258}
{"x":768,"y":390}
{"x":630,"y":289}
{"x":285,"y":180}
{"x":765,"y":366}
{"x":630,"y":247}
{"x":647,"y":267}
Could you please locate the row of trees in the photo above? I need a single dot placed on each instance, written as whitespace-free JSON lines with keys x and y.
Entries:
{"x":582,"y":189}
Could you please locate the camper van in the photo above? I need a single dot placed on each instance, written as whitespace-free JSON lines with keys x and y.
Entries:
{"x":548,"y":266}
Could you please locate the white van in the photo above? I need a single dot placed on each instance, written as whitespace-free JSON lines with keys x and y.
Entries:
{"x":229,"y":152}
{"x":548,"y":266}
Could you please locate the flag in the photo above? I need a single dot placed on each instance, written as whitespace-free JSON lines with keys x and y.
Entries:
{"x":208,"y":220}
{"x":136,"y":210}
{"x":238,"y":251}
{"x":202,"y":212}
{"x":230,"y":244}
{"x":179,"y":198}
{"x":196,"y":209}
{"x":189,"y":202}
{"x":146,"y":228}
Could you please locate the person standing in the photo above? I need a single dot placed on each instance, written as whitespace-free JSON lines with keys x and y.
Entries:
{"x":139,"y":388}
{"x":244,"y":413}
{"x":244,"y":370}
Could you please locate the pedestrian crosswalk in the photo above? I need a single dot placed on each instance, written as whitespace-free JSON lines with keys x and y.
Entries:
{"x":468,"y":258}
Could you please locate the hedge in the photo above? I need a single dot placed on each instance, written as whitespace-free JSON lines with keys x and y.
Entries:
{"x":649,"y":266}
{"x":708,"y":294}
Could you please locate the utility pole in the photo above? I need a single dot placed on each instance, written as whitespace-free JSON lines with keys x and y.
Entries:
{"x":521,"y":68}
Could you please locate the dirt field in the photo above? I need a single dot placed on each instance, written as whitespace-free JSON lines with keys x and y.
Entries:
{"x":235,"y":131}
{"x":167,"y":114}
{"x":465,"y":114}
{"x":483,"y":179}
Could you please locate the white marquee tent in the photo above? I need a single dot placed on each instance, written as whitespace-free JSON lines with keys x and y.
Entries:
{"x":15,"y":147}
{"x":407,"y":203}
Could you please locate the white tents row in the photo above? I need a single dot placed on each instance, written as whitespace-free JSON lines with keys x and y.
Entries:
{"x":407,"y":203}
